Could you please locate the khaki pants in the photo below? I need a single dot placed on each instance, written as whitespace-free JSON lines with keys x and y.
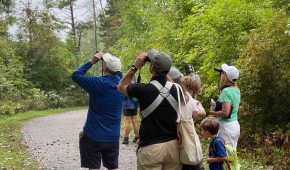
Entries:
{"x":161,"y":156}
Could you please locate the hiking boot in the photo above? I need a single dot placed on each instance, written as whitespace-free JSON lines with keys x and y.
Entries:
{"x":135,"y":140}
{"x":126,"y":140}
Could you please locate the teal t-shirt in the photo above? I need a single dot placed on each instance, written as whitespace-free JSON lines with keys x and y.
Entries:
{"x":232,"y":96}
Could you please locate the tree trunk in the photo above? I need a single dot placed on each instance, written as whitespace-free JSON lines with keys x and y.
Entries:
{"x":95,"y":26}
{"x":73,"y":28}
{"x":79,"y":41}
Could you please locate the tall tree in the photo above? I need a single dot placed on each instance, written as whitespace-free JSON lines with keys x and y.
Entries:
{"x":5,"y":6}
{"x":42,"y":55}
{"x":81,"y":28}
{"x":110,"y":22}
{"x":95,"y":25}
{"x":5,"y":18}
{"x":69,"y":4}
{"x":68,"y":7}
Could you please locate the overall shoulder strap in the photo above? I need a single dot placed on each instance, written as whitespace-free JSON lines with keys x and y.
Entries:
{"x":164,"y":93}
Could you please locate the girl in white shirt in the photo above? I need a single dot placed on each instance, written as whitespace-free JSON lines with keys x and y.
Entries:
{"x":195,"y":108}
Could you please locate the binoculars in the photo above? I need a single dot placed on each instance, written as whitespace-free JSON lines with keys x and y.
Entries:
{"x":147,"y":59}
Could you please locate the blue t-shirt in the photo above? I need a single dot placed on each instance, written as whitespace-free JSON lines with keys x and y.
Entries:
{"x":129,"y":104}
{"x":216,"y":149}
{"x":105,"y":104}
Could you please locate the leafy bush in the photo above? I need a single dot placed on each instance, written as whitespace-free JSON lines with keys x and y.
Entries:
{"x":75,"y":96}
{"x":265,"y":79}
{"x":10,"y":107}
{"x":265,"y":70}
{"x":35,"y":99}
{"x":56,"y":100}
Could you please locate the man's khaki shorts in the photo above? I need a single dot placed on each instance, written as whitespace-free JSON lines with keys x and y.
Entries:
{"x":161,"y":156}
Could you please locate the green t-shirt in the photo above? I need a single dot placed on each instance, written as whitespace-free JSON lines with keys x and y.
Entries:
{"x":232,"y":96}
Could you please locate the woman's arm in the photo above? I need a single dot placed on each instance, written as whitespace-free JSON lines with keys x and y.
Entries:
{"x":226,"y":109}
{"x":199,"y":114}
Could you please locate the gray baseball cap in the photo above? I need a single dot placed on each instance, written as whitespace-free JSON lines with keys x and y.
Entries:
{"x":160,"y":61}
{"x":174,"y":73}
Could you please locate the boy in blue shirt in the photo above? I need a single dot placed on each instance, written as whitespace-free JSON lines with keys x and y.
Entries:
{"x":217,"y":152}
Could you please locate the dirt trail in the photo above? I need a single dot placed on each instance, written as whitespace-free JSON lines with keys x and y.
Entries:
{"x":53,"y":140}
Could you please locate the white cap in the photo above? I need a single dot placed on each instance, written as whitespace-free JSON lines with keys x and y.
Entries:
{"x":113,"y":62}
{"x":231,"y":71}
{"x":174,"y":73}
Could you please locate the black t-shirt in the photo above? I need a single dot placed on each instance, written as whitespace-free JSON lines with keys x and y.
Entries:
{"x":160,"y":125}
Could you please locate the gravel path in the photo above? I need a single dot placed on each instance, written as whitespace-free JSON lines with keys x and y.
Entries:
{"x":53,"y":140}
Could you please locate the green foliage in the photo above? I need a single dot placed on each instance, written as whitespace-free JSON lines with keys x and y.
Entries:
{"x":215,"y":34}
{"x":5,"y":17}
{"x":109,"y":22}
{"x":5,"y":6}
{"x":56,"y":100}
{"x":11,"y":80}
{"x":265,"y":68}
{"x":11,"y":70}
{"x":258,"y":143}
{"x":203,"y":33}
{"x":45,"y":57}
{"x":35,"y":71}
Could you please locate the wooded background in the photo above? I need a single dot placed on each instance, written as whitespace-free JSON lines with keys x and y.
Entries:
{"x":253,"y":35}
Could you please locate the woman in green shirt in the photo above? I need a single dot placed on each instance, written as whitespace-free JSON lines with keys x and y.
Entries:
{"x":230,"y":101}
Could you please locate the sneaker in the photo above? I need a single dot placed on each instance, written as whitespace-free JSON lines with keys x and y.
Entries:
{"x":135,"y":139}
{"x":126,"y":140}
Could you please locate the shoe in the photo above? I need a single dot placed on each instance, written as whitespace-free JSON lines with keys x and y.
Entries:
{"x":126,"y":140}
{"x":135,"y":139}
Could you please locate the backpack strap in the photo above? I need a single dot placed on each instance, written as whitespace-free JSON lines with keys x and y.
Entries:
{"x":164,"y":93}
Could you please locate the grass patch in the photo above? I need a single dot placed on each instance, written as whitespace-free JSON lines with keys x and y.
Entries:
{"x":13,"y":153}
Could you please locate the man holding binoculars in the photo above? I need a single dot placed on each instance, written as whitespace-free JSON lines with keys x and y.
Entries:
{"x":99,"y":140}
{"x":158,"y":147}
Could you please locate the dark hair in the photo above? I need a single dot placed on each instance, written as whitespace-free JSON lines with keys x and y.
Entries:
{"x":210,"y":124}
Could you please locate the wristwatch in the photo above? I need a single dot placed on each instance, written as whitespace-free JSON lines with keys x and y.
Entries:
{"x":133,"y":68}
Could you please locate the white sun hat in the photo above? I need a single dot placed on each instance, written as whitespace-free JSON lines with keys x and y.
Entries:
{"x":113,"y":62}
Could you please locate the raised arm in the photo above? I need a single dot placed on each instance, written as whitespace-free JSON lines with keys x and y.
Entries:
{"x":127,"y":79}
{"x":79,"y":76}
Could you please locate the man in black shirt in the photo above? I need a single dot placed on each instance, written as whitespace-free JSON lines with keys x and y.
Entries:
{"x":158,"y":130}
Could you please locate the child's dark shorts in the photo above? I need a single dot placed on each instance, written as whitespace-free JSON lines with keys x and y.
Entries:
{"x":92,"y":152}
{"x":130,"y":112}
